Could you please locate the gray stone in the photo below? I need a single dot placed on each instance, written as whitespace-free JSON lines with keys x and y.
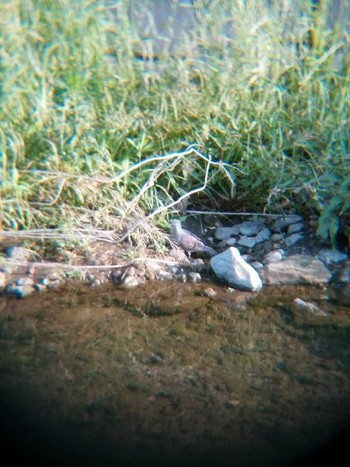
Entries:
{"x":282,"y":223}
{"x":298,"y":269}
{"x":231,"y":241}
{"x":249,"y":228}
{"x":294,"y":228}
{"x":263,"y":235}
{"x":329,"y":256}
{"x":274,"y":256}
{"x":231,"y":267}
{"x":224,"y":233}
{"x":277,"y":237}
{"x":292,"y":239}
{"x":248,"y":242}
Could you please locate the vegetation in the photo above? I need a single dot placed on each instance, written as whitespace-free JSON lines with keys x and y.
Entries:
{"x":80,"y":112}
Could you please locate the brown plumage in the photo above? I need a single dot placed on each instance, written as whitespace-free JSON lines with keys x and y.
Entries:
{"x":189,"y":242}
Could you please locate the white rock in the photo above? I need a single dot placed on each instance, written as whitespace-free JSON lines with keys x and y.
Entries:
{"x":297,"y":269}
{"x":232,"y":268}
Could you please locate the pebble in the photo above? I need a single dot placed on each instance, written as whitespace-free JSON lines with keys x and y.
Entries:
{"x":329,"y":256}
{"x":274,"y":256}
{"x":209,"y":292}
{"x":292,"y":239}
{"x":22,"y":281}
{"x":129,"y":282}
{"x":263,"y":235}
{"x":294,"y":228}
{"x":194,"y":277}
{"x":224,"y":233}
{"x":164,"y":275}
{"x":2,"y":281}
{"x":23,"y":291}
{"x":250,"y":228}
{"x":248,"y":242}
{"x":281,"y":224}
{"x":300,"y":304}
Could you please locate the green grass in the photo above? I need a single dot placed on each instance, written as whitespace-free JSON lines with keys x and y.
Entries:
{"x":77,"y":109}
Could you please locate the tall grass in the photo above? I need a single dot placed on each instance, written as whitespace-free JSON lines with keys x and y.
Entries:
{"x":77,"y":108}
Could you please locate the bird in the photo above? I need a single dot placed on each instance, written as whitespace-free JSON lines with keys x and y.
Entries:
{"x":189,"y":242}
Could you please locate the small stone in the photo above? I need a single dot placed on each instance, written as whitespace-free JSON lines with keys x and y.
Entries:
{"x":18,"y":253}
{"x":277,"y":237}
{"x":292,"y":239}
{"x":257,"y":265}
{"x":194,"y":277}
{"x":341,"y":275}
{"x":39,"y":287}
{"x":53,"y":277}
{"x":282,"y":223}
{"x":249,"y":228}
{"x":300,"y":304}
{"x":129,"y":282}
{"x":341,"y":294}
{"x":329,"y":256}
{"x":274,"y":256}
{"x":182,"y":278}
{"x":23,"y":291}
{"x":3,"y":279}
{"x":231,"y":241}
{"x":95,"y":283}
{"x":263,"y":235}
{"x":155,"y":359}
{"x":248,"y":242}
{"x":25,"y":281}
{"x":293,"y":228}
{"x":232,"y":403}
{"x":224,"y":233}
{"x":209,"y":292}
{"x":164,"y":275}
{"x":53,"y":285}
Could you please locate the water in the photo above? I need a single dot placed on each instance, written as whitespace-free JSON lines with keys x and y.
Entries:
{"x":163,"y":375}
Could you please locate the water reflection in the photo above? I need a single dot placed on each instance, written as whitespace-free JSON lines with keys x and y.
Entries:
{"x":166,"y":374}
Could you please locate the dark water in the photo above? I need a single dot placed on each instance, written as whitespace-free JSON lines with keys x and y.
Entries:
{"x":163,"y":375}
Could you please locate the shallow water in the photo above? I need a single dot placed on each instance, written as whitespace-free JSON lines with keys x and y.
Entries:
{"x":164,"y":375}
